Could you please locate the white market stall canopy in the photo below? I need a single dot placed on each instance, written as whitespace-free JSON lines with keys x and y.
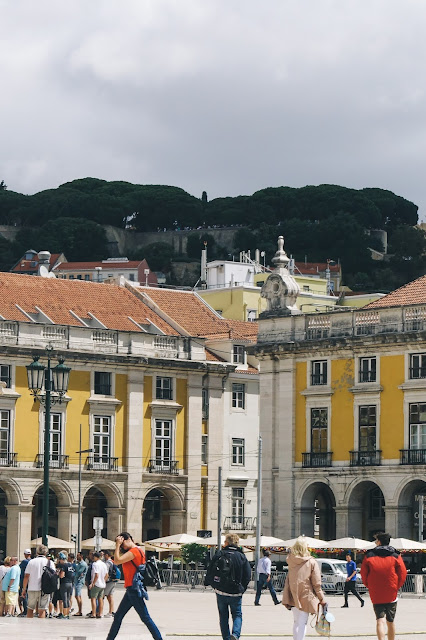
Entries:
{"x":403,"y":544}
{"x":313,"y":543}
{"x":178,"y":538}
{"x":53,"y":543}
{"x":90,"y":543}
{"x":355,"y":544}
{"x":266,"y":542}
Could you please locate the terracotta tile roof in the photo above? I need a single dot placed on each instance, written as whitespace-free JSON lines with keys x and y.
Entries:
{"x":27,"y":266}
{"x":250,"y":371}
{"x":212,"y":357}
{"x":310,"y":268}
{"x":110,"y":304}
{"x":72,"y":266}
{"x":411,"y":293}
{"x":195,"y":316}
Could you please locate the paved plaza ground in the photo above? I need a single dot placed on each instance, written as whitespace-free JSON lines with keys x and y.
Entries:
{"x":187,"y":615}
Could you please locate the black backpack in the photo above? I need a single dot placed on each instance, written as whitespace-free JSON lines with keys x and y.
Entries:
{"x":49,"y":580}
{"x":223,"y":576}
{"x":151,"y":575}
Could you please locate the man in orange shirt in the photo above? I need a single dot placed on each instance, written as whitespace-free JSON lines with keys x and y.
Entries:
{"x":130,"y":557}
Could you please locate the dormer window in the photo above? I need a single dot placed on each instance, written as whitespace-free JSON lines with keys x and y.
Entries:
{"x":238,"y":354}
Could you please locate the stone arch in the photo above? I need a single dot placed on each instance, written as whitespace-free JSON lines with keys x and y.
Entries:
{"x":366,"y":509}
{"x":163,"y":507}
{"x":408,"y":508}
{"x":317,"y":511}
{"x":111,"y":492}
{"x":12,"y":491}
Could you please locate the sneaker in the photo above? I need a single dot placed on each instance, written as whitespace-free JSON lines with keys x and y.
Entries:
{"x":362,"y":603}
{"x":344,"y":606}
{"x":109,"y":615}
{"x":232,"y":637}
{"x":60,"y":616}
{"x":257,"y":604}
{"x":50,"y":615}
{"x":65,"y":617}
{"x":22,"y":615}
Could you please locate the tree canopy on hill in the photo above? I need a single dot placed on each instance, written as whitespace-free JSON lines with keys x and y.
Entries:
{"x":325,"y":221}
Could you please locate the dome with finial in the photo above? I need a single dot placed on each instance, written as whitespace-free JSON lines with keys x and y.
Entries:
{"x":281,"y":289}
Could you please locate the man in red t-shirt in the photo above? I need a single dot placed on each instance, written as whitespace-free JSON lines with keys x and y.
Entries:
{"x":130,"y":557}
{"x":383,"y":572}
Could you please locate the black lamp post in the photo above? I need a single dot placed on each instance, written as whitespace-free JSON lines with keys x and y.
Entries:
{"x":55,"y":382}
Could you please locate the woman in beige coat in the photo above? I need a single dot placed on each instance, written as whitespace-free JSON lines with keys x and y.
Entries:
{"x":302,"y":589}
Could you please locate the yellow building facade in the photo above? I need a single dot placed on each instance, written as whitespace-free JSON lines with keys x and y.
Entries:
{"x":343,"y":418}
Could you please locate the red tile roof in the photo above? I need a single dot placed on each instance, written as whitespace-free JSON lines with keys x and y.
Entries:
{"x":60,"y":299}
{"x":72,"y":266}
{"x":311,"y":268}
{"x":194,"y":315}
{"x":27,"y":267}
{"x":411,"y":293}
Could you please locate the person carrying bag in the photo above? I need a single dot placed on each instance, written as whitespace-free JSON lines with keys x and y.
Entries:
{"x":132,"y":559}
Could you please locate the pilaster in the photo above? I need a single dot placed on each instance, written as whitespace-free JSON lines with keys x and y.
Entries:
{"x":18,"y":529}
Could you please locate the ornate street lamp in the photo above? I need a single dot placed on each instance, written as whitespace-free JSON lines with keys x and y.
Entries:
{"x":48,"y":385}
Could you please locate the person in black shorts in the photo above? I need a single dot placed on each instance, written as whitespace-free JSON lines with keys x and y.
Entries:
{"x":66,"y":575}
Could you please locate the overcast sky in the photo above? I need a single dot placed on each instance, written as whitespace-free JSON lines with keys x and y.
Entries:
{"x":225,"y":96}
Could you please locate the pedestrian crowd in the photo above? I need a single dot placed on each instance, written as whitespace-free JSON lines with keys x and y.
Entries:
{"x":38,"y":584}
{"x":45,"y":586}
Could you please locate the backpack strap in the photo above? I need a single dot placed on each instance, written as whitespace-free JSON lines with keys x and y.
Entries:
{"x":140,"y":555}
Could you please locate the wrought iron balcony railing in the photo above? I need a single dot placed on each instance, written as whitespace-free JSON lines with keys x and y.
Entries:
{"x":8,"y":459}
{"x":235,"y":523}
{"x":164,"y":466}
{"x":365,"y":458}
{"x":101,"y":463}
{"x":321,"y":459}
{"x":56,"y":461}
{"x":412,"y":456}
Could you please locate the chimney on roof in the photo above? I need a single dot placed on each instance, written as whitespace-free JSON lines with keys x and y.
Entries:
{"x":44,"y":264}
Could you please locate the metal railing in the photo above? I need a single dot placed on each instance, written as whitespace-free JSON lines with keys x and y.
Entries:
{"x":414,"y":585}
{"x":412,"y":456}
{"x":164,"y":466}
{"x":194,"y":578}
{"x":322,"y":459}
{"x":365,"y":458}
{"x":233,"y":523}
{"x":8,"y":459}
{"x":101,"y":463}
{"x":55,"y":461}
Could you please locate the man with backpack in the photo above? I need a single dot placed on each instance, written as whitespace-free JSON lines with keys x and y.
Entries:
{"x":114,"y":575}
{"x":39,"y":577}
{"x":229,"y":573}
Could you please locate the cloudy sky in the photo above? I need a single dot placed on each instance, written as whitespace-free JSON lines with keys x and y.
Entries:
{"x":227,"y":96}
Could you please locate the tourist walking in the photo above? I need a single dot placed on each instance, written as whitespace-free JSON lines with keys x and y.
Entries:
{"x":264,"y":577}
{"x":229,"y":573}
{"x":23,"y":566}
{"x":130,"y":557}
{"x":10,"y":587}
{"x":32,"y":583}
{"x":97,"y":585}
{"x":350,"y":584}
{"x":110,"y":585}
{"x":383,"y":572}
{"x":66,"y":576}
{"x":4,"y":568}
{"x":302,"y":589}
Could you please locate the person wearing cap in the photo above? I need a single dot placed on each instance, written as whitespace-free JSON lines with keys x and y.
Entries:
{"x":23,"y":600}
{"x":264,"y":578}
{"x":66,"y":576}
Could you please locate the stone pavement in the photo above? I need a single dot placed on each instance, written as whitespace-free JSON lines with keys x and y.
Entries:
{"x":188,"y":615}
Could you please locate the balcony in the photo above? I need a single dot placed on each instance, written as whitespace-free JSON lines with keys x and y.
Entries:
{"x":56,"y":461}
{"x":233,"y":523}
{"x":101,"y":463}
{"x":365,"y":458}
{"x":321,"y":459}
{"x":8,"y":459}
{"x":167,"y":467}
{"x":412,"y":456}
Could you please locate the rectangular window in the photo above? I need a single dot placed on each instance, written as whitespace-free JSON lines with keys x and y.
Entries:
{"x":238,"y":506}
{"x":319,"y":372}
{"x":418,"y":365}
{"x":367,"y":369}
{"x":101,"y":438}
{"x":4,"y":433}
{"x":131,"y":277}
{"x":238,"y":354}
{"x":251,"y":315}
{"x":87,"y":276}
{"x":55,"y":437}
{"x":102,"y":383}
{"x":205,"y":403}
{"x":319,"y":427}
{"x":238,"y":451}
{"x":367,"y":428}
{"x":238,"y":396}
{"x":204,"y":448}
{"x":164,"y":389}
{"x":5,"y":374}
{"x":418,"y":425}
{"x":163,"y":443}
{"x":71,"y":277}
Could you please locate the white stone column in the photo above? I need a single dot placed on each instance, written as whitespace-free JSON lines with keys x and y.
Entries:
{"x":342,"y":530}
{"x":177,"y":519}
{"x":193,"y":451}
{"x":395,"y":518}
{"x":67,"y":521}
{"x":115,"y":517}
{"x":134,"y":447}
{"x":18,"y":529}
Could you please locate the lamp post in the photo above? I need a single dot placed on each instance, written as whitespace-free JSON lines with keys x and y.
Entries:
{"x":54,"y":381}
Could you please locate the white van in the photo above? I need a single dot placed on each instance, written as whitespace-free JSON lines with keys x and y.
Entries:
{"x":334,"y":574}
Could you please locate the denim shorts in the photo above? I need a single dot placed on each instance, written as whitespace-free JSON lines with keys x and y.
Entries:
{"x":78,"y":587}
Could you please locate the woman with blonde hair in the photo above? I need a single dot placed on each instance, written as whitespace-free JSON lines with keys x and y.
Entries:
{"x":302,"y":589}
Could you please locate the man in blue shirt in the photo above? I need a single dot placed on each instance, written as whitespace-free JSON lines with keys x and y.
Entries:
{"x":79,"y":579}
{"x":350,"y":584}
